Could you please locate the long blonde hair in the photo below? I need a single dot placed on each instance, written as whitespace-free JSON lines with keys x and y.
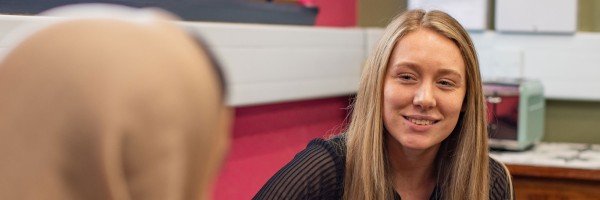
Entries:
{"x":463,"y":156}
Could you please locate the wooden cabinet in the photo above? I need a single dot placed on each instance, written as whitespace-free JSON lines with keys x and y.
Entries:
{"x":554,"y":183}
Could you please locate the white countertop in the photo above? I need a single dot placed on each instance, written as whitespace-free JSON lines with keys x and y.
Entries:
{"x":566,"y":155}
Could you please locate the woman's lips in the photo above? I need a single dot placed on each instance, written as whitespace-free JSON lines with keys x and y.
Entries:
{"x":420,"y":123}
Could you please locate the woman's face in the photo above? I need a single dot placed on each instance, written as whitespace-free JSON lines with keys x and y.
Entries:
{"x":424,"y":88}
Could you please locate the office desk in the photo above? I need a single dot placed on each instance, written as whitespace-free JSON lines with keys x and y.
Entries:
{"x":555,"y":171}
{"x":539,"y":182}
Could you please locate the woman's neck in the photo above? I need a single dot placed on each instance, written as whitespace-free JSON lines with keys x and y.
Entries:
{"x":413,"y":170}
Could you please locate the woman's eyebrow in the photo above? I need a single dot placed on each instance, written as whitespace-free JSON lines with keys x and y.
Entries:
{"x":450,"y":72}
{"x":410,"y":65}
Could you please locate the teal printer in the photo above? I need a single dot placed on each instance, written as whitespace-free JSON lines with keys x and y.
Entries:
{"x":515,"y":113}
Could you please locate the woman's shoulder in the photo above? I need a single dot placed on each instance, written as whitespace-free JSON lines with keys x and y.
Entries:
{"x":500,"y":181}
{"x":335,"y":145}
{"x":498,"y":171}
{"x":314,"y":173}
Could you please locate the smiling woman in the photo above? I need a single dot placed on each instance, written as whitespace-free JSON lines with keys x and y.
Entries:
{"x":418,"y":128}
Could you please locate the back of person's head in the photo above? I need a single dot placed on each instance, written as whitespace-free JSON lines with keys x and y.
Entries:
{"x":101,"y":108}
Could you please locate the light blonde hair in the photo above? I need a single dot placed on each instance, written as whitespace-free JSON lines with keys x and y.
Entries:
{"x":463,"y":157}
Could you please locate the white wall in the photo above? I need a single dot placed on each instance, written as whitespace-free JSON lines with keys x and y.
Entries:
{"x":269,"y":63}
{"x":567,"y":65}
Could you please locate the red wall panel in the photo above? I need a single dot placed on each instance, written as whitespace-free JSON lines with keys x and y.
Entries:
{"x":340,"y":13}
{"x":266,"y":137}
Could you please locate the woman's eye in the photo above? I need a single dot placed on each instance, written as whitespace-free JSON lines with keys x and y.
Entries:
{"x":446,"y":83}
{"x":406,"y":77}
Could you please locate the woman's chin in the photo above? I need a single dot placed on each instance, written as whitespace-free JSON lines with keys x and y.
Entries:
{"x":419,"y":145}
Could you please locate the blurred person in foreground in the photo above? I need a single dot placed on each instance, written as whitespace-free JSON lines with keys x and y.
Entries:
{"x":120,"y":105}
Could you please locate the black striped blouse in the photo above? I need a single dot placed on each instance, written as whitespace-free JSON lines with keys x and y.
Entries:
{"x":317,"y":172}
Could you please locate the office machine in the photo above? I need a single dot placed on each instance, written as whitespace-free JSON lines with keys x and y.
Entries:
{"x":515,"y":109}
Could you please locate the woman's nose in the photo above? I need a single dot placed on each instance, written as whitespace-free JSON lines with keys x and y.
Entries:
{"x":424,"y":97}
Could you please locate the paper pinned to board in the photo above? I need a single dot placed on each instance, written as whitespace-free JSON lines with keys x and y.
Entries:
{"x":472,"y":14}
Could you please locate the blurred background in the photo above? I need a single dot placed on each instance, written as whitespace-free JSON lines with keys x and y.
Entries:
{"x":293,"y":66}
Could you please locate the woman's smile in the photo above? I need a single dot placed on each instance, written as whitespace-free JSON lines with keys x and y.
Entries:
{"x":420,"y":123}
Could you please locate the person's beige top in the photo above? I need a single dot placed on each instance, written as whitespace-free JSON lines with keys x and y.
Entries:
{"x":109,"y":109}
